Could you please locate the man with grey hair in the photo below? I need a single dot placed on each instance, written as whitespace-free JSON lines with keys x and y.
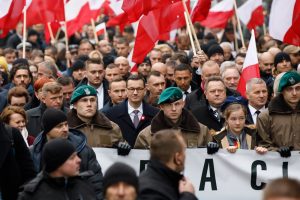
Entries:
{"x":230,"y":74}
{"x":257,"y":95}
{"x":47,"y":69}
{"x":227,"y":48}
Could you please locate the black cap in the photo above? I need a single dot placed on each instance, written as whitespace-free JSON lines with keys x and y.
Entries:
{"x":51,"y":118}
{"x":214,"y":49}
{"x":120,"y":172}
{"x":281,"y":56}
{"x":55,"y":153}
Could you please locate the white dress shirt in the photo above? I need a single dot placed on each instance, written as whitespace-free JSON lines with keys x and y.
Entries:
{"x":253,"y":112}
{"x":131,"y":113}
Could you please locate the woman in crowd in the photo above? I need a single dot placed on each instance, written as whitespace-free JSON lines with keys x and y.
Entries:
{"x":16,"y":117}
{"x":236,"y":134}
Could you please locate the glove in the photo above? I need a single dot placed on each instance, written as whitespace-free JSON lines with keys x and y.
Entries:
{"x":212,"y":148}
{"x":285,"y":152}
{"x":123,"y":149}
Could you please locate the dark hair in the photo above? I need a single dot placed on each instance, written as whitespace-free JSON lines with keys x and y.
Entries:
{"x":183,"y":67}
{"x":17,"y":91}
{"x":182,"y":57}
{"x":165,"y":144}
{"x":154,"y":73}
{"x":135,"y":77}
{"x":8,"y":51}
{"x":65,"y":80}
{"x":52,"y":48}
{"x":14,"y":70}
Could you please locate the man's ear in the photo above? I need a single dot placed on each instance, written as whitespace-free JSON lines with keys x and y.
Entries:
{"x":177,"y":158}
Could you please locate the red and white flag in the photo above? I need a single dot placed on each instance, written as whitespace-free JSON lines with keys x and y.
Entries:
{"x":10,"y":15}
{"x":251,"y":14}
{"x":158,"y":22}
{"x":250,"y":67}
{"x":200,"y":10}
{"x":44,"y":11}
{"x":284,"y":24}
{"x":100,"y":29}
{"x":80,"y":12}
{"x":120,"y":18}
{"x":219,"y":14}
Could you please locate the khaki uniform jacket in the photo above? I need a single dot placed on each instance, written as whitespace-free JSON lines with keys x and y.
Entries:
{"x":250,"y":130}
{"x":194,"y":133}
{"x":279,"y":125}
{"x":100,"y":132}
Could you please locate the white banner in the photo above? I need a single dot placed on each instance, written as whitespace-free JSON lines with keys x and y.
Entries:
{"x":220,"y":176}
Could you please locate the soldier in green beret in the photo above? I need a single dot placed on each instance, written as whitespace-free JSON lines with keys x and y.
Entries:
{"x":173,"y":115}
{"x":279,"y":125}
{"x":84,"y":116}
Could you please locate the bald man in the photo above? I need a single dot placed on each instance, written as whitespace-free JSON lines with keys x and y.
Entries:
{"x":123,"y":65}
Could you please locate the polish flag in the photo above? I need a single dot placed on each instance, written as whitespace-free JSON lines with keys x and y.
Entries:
{"x":80,"y":12}
{"x":200,"y":10}
{"x":251,"y":13}
{"x":284,"y":24}
{"x":10,"y":15}
{"x":100,"y":29}
{"x":120,"y":18}
{"x":250,"y":68}
{"x":44,"y":11}
{"x":219,"y":14}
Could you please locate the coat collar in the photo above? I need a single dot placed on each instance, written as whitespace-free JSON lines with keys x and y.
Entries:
{"x":187,"y":122}
{"x":98,"y":120}
{"x":279,"y":105}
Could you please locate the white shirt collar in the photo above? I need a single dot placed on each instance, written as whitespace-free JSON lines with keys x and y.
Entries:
{"x":131,"y":109}
{"x":253,"y":110}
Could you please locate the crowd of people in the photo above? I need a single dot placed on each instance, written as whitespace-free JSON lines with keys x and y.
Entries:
{"x":58,"y":103}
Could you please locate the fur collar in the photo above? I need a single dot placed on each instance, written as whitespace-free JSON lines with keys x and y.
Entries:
{"x":187,"y":122}
{"x":98,"y":120}
{"x":278,"y":105}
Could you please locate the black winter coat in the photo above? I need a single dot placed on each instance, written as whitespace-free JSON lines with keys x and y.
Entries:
{"x":47,"y":188}
{"x":16,"y":166}
{"x":87,"y":155}
{"x":158,"y":182}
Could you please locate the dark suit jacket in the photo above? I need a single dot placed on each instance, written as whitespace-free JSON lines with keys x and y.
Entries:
{"x":119,"y":115}
{"x":205,"y":116}
{"x":197,"y":97}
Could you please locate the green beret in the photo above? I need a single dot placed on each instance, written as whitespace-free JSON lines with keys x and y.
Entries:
{"x":288,"y":79}
{"x":170,"y":95}
{"x":82,"y":91}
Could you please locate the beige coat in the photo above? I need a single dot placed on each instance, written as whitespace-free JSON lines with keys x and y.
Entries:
{"x":279,"y":125}
{"x":100,"y":132}
{"x":194,"y":133}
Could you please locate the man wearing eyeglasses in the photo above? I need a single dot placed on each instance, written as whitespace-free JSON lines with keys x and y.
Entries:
{"x":133,"y":114}
{"x":173,"y":115}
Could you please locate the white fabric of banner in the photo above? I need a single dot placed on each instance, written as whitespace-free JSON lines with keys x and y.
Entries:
{"x":220,"y":176}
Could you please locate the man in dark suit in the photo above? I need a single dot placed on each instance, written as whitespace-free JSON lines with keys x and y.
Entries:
{"x":95,"y":77}
{"x":132,"y":115}
{"x":209,"y":68}
{"x":208,"y":111}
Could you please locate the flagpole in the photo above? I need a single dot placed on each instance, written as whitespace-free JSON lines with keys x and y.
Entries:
{"x":24,"y":31}
{"x":51,"y":32}
{"x":264,"y":28}
{"x":190,"y":33}
{"x":57,"y":34}
{"x":239,"y":24}
{"x":191,"y":25}
{"x":94,"y":30}
{"x":235,"y":38}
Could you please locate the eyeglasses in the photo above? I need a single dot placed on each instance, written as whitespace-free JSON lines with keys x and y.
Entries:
{"x":133,"y":89}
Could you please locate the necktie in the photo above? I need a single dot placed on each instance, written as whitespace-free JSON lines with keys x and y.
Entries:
{"x":216,"y":114}
{"x":136,"y":119}
{"x":257,"y":112}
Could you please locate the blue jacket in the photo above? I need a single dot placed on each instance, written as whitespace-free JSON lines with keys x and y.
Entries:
{"x":87,"y":155}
